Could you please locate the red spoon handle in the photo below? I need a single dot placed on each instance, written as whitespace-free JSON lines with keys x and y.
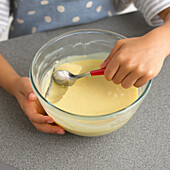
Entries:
{"x":97,"y":72}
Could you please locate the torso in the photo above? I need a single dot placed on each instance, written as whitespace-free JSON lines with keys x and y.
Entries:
{"x":41,"y":15}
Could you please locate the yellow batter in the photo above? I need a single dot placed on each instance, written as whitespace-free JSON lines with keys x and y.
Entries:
{"x":90,"y":95}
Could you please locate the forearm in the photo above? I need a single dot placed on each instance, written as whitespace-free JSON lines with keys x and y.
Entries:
{"x":8,"y":76}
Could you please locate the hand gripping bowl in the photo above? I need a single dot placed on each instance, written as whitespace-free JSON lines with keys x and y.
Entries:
{"x":80,"y":42}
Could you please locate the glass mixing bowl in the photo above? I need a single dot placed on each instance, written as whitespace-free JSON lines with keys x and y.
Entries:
{"x":80,"y":42}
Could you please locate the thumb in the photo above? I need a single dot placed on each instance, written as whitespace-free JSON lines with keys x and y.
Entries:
{"x":32,"y":96}
{"x":26,"y":89}
{"x":115,"y":49}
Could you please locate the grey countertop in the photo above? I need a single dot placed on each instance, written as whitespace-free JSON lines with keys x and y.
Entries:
{"x":142,"y":144}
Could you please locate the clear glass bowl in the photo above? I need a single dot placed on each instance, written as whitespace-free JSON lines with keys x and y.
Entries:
{"x":80,"y":42}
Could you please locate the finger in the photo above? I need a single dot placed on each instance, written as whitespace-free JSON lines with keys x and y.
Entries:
{"x":113,"y":52}
{"x":121,"y":73}
{"x":47,"y":128}
{"x":130,"y":80}
{"x":32,"y":96}
{"x":36,"y":117}
{"x":27,"y":89}
{"x":39,"y":107}
{"x":105,"y":63}
{"x":39,"y":118}
{"x":141,"y":81}
{"x":111,"y":69}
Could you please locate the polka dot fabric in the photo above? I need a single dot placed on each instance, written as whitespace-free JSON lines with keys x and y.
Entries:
{"x":41,"y":15}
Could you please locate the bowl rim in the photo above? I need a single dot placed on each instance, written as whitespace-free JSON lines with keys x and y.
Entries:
{"x":70,"y":33}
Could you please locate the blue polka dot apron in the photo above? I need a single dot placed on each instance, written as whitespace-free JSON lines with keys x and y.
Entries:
{"x":32,"y":16}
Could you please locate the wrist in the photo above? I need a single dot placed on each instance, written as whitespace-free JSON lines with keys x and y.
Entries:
{"x":14,"y":86}
{"x":160,"y":37}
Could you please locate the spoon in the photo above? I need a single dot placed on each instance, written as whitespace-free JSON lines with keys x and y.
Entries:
{"x":66,"y":78}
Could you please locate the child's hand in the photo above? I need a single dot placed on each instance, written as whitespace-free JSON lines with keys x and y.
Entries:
{"x":135,"y":61}
{"x":33,"y":109}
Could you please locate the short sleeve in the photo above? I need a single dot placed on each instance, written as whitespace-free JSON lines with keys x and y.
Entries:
{"x":150,"y":10}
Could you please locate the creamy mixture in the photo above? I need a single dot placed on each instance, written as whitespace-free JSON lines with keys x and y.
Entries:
{"x":90,"y":95}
